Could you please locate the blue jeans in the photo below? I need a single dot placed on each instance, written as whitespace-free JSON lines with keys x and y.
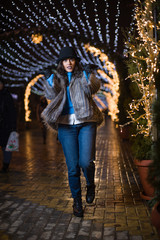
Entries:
{"x":78,"y":143}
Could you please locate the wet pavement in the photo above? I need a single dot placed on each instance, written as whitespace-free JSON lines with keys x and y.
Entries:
{"x":36,"y":203}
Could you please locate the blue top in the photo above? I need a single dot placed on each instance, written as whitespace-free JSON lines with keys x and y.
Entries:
{"x":68,"y":107}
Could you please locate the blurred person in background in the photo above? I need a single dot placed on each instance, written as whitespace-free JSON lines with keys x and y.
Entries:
{"x":7,"y":123}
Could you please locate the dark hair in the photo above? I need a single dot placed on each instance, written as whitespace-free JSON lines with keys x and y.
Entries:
{"x":61,"y":70}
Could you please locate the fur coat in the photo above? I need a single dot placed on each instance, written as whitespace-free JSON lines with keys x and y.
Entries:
{"x":81,"y":91}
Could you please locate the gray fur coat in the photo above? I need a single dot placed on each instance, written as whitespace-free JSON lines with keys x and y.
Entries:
{"x":81,"y":92}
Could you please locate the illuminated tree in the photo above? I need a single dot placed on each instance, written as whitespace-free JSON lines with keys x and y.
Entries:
{"x":143,"y":52}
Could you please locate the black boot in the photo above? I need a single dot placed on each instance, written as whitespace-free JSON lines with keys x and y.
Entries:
{"x":91,"y":186}
{"x":77,"y":207}
{"x":5,"y":167}
{"x":90,"y":193}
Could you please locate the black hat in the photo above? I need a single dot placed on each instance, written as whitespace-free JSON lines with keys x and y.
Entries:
{"x":67,"y":52}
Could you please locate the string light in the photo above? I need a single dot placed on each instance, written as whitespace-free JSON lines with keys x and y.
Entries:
{"x":26,"y":97}
{"x":59,"y":26}
{"x":98,"y":26}
{"x":116,"y":27}
{"x":87,"y":20}
{"x":113,"y":83}
{"x":37,"y":38}
{"x":144,"y":79}
{"x":107,"y":24}
{"x":28,"y":15}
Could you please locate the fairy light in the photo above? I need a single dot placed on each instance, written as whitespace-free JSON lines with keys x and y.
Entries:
{"x":26,"y":97}
{"x":22,"y":59}
{"x":144,"y":80}
{"x":87,"y":20}
{"x":37,"y":38}
{"x":98,"y":26}
{"x":113,"y":84}
{"x":116,"y":27}
{"x":79,"y":18}
{"x":37,"y":50}
{"x":25,"y":58}
{"x":69,"y":18}
{"x":107,"y":24}
{"x":103,"y":106}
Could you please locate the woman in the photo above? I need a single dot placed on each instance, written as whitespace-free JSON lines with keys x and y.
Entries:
{"x":7,"y":122}
{"x":76,"y":116}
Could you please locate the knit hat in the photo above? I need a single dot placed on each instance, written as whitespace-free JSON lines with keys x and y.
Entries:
{"x":67,"y":52}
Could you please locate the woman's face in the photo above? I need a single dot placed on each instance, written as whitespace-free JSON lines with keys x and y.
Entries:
{"x":69,"y":64}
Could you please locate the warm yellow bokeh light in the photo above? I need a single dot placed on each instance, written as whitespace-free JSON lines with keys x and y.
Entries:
{"x":113,"y":83}
{"x":26,"y":97}
{"x":145,"y":79}
{"x":37,"y":38}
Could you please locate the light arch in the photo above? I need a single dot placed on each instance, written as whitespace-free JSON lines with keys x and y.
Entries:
{"x":26,"y":96}
{"x":112,"y":85}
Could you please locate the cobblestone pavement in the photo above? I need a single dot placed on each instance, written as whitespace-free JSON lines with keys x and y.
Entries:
{"x":36,"y":203}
